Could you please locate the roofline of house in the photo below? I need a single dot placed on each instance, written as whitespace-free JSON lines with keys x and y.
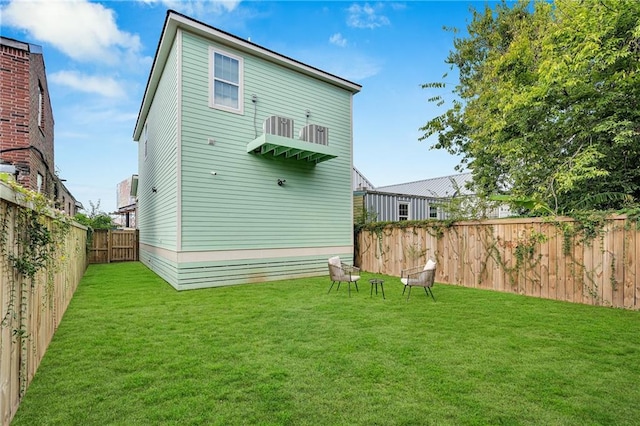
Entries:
{"x":61,"y":182}
{"x":397,"y":194}
{"x":21,"y":45}
{"x":425,"y":180}
{"x":175,"y":20}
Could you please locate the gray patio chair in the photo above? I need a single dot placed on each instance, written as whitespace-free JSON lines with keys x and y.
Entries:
{"x":419,"y":277}
{"x":341,"y":272}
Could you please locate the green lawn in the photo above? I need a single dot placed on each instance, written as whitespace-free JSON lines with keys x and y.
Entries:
{"x":131,"y":350}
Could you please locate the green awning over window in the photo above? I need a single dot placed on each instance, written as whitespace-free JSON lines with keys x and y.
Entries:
{"x":280,"y":146}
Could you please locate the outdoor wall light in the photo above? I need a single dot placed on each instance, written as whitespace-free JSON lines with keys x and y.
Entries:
{"x":154,"y":189}
{"x":281,"y":182}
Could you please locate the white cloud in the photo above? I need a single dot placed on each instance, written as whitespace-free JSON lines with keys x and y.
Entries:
{"x":84,"y":31}
{"x":197,"y":7}
{"x":104,"y":86}
{"x":338,"y":40}
{"x":366,"y":16}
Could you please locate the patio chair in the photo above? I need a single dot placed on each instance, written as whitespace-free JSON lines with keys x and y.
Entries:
{"x":419,"y":277}
{"x":341,"y":272}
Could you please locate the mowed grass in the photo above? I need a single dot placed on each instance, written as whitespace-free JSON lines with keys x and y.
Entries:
{"x":133,"y":351}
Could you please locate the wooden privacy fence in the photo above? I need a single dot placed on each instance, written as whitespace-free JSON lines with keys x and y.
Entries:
{"x":557,"y":259}
{"x":31,"y":308}
{"x":113,"y":246}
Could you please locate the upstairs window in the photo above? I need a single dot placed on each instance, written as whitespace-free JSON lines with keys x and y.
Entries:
{"x":226,"y":81}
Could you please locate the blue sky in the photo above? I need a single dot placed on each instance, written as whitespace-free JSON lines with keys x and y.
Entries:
{"x":98,"y":56}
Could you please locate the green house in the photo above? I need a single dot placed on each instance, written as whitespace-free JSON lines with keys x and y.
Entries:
{"x":245,"y":161}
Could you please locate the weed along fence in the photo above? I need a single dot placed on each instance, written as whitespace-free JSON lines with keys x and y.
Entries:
{"x":42,"y":259}
{"x":113,"y":246}
{"x":595,"y":262}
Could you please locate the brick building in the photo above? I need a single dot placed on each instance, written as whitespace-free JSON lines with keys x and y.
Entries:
{"x":26,"y":123}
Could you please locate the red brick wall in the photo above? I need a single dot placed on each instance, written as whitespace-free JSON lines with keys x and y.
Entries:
{"x":14,"y":105}
{"x":22,"y":74}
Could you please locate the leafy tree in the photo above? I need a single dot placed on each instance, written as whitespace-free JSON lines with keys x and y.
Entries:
{"x":547,"y":104}
{"x":96,"y":219}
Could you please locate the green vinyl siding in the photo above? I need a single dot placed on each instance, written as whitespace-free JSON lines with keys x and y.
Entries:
{"x":157,"y":213}
{"x":166,"y":269}
{"x":215,"y":274}
{"x":242,"y":207}
{"x":192,"y":275}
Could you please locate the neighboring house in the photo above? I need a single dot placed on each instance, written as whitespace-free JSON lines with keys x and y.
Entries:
{"x":26,"y":123}
{"x":127,"y":202}
{"x":245,"y":161}
{"x":417,"y":200}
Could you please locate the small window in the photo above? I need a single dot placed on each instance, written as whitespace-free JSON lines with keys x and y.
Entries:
{"x":40,"y":105}
{"x":433,"y":212}
{"x":403,"y":211}
{"x":226,"y":82}
{"x":39,"y":182}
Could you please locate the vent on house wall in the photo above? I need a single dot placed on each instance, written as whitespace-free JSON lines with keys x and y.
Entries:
{"x":314,"y":133}
{"x":280,"y":126}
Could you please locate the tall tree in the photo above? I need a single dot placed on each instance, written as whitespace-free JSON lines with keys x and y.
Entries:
{"x":547,"y":104}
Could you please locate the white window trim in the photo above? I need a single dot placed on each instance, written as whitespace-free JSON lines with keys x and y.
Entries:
{"x":408,"y":204}
{"x":429,"y":208}
{"x":240,"y":109}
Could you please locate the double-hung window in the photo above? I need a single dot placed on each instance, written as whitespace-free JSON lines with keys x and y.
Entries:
{"x":226,"y":81}
{"x":403,"y":211}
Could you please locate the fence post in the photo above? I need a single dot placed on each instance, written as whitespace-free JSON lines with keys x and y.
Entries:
{"x":136,"y":245}
{"x":109,"y":245}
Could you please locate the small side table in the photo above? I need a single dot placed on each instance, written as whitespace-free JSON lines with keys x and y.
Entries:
{"x":375,"y":282}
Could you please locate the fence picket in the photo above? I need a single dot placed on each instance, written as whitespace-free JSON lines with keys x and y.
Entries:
{"x":34,"y":308}
{"x":603,"y":271}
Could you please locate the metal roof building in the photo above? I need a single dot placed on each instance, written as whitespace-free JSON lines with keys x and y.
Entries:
{"x":440,"y":187}
{"x":418,"y":200}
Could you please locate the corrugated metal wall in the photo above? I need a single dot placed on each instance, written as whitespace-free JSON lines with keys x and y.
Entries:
{"x":386,"y":206}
